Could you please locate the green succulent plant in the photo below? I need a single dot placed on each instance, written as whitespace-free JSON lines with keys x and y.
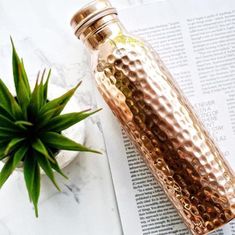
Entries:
{"x":31,"y":129}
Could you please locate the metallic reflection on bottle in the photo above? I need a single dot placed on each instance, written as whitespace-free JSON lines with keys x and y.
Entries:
{"x":158,"y":118}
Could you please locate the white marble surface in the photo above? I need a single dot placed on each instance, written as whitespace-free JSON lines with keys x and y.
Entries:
{"x":86,"y":205}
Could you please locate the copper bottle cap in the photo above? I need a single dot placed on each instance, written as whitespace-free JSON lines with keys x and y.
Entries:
{"x":89,"y":14}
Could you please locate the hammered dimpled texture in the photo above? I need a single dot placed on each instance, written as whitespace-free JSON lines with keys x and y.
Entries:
{"x":173,"y":142}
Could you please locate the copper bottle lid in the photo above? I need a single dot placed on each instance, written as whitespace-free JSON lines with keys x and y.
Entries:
{"x":89,"y":14}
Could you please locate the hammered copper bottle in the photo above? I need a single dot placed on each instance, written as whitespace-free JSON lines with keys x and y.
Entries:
{"x":158,"y":118}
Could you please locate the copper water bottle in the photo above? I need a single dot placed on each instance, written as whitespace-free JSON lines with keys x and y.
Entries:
{"x":162,"y":124}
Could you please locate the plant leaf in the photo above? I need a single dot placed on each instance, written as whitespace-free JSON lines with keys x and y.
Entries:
{"x":46,"y":85}
{"x":37,"y":97}
{"x":11,"y":164}
{"x":65,"y":121}
{"x":36,"y":188}
{"x":45,"y":165}
{"x":32,"y":179}
{"x":34,"y":101}
{"x":2,"y":153}
{"x":23,"y":123}
{"x":19,"y":155}
{"x":40,"y":147}
{"x":61,"y":101}
{"x":10,"y":131}
{"x":47,"y":116}
{"x":8,"y":102}
{"x":41,"y":89}
{"x":20,"y":80}
{"x":6,"y":114}
{"x":58,"y":141}
{"x":25,"y":77}
{"x":18,"y":68}
{"x":29,"y":169}
{"x":3,"y":157}
{"x":5,"y":122}
{"x":5,"y":137}
{"x":6,"y":171}
{"x":14,"y":143}
{"x":56,"y":166}
{"x":40,"y":92}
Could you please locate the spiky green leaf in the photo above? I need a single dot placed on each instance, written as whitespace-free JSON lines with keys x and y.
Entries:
{"x":43,"y":98}
{"x":29,"y":168}
{"x":5,"y":122}
{"x":6,"y":171}
{"x":58,"y":141}
{"x":45,"y":165}
{"x":21,"y":81}
{"x":11,"y":164}
{"x":34,"y":104}
{"x":19,"y":155}
{"x":2,"y":154}
{"x":65,"y":121}
{"x":23,"y":123}
{"x":16,"y":61}
{"x":46,"y":86}
{"x":8,"y":102}
{"x":9,"y":130}
{"x":32,"y":179}
{"x":47,"y":116}
{"x":6,"y":114}
{"x":38,"y":98}
{"x":61,"y":101}
{"x":25,"y":77}
{"x":56,"y":166}
{"x":13,"y":144}
{"x":36,"y":188}
{"x":39,"y":146}
{"x":5,"y":137}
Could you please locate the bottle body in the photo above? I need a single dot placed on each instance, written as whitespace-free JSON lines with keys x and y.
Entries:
{"x":159,"y":120}
{"x":164,"y":127}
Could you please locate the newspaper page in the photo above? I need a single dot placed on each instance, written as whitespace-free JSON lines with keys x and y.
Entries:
{"x":196,"y":39}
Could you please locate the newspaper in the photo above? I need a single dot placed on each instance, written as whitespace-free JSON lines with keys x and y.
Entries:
{"x":196,"y":39}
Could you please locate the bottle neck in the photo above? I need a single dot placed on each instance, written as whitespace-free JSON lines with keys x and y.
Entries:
{"x":107,"y":27}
